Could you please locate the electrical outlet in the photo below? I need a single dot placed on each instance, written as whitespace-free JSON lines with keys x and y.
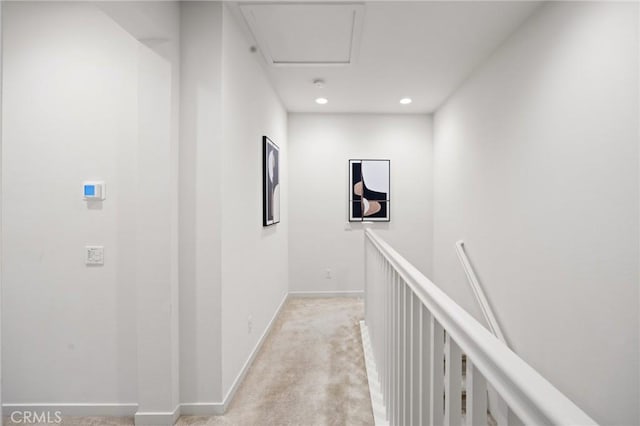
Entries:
{"x":249,"y":324}
{"x":328,"y":274}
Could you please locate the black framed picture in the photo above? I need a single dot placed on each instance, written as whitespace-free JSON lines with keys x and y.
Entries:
{"x":369,"y":190}
{"x":270,"y":182}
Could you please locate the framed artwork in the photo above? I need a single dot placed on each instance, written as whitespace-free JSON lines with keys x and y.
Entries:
{"x":270,"y":182}
{"x":369,"y":190}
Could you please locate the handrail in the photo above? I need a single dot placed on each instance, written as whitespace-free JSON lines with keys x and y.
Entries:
{"x":529,"y":395}
{"x":494,"y":327}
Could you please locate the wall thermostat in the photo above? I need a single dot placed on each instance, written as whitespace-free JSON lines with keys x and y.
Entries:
{"x":93,"y":190}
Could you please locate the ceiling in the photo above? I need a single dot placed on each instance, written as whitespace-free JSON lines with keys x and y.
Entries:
{"x":372,"y":54}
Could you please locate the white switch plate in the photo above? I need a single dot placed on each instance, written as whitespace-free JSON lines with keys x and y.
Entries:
{"x":94,"y":255}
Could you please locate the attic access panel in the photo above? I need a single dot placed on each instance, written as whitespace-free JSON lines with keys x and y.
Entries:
{"x":305,"y":34}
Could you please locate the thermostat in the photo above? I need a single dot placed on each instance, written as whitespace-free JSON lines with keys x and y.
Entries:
{"x":93,"y":190}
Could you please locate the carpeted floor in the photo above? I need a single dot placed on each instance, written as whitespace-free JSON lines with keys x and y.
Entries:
{"x":310,"y":371}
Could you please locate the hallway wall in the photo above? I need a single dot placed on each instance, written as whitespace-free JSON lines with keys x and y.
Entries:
{"x":536,"y":169}
{"x":254,"y":258}
{"x":200,"y":207}
{"x":92,"y":95}
{"x":321,"y":237}
{"x":70,"y":114}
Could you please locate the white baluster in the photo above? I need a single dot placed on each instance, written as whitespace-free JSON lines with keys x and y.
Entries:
{"x":406,"y":315}
{"x":436,"y":407}
{"x":416,"y":354}
{"x":401,"y":354}
{"x":476,"y":396}
{"x":387,"y":349}
{"x":453,"y":384}
{"x":425,"y":366}
{"x":394,"y":365}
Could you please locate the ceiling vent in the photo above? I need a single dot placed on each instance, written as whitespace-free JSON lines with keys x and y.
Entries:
{"x":298,"y":34}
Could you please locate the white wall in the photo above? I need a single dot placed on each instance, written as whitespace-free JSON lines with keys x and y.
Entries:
{"x":320,"y":147}
{"x":1,"y":411}
{"x":200,"y":205}
{"x":86,"y":90}
{"x":537,"y":171}
{"x":156,"y":245}
{"x":70,"y":114}
{"x":254,"y":258}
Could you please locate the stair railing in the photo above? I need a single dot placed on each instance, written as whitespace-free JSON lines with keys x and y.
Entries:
{"x":487,"y":312}
{"x":497,"y":406}
{"x":417,"y":335}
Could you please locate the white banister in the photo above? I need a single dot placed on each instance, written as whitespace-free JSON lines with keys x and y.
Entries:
{"x":402,"y":304}
{"x":497,"y":406}
{"x":487,"y":312}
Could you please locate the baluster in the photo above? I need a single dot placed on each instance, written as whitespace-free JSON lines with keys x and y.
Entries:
{"x":407,"y":354}
{"x":436,"y":407}
{"x":476,"y":396}
{"x":394,"y":358}
{"x":391,"y":349}
{"x":387,"y":333}
{"x":416,"y":355}
{"x":383,"y":361}
{"x":453,"y":383}
{"x":402,"y":365}
{"x":425,"y":365}
{"x":396,"y":353}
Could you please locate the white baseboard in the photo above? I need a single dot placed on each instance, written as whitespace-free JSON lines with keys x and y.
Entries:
{"x":202,"y":408}
{"x":219,"y":408}
{"x":75,"y":410}
{"x":149,"y":418}
{"x":245,"y":368}
{"x":349,"y":293}
{"x":375,"y":391}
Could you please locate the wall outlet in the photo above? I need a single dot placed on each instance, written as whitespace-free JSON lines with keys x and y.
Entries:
{"x":249,"y":324}
{"x":328,"y":274}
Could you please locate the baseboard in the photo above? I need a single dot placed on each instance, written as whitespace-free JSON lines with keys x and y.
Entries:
{"x":219,"y":408}
{"x":375,"y":391}
{"x":245,"y":368}
{"x":349,"y":293}
{"x":202,"y":408}
{"x":149,"y":418}
{"x":75,"y":410}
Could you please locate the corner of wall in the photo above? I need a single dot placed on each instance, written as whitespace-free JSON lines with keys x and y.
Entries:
{"x":200,"y":206}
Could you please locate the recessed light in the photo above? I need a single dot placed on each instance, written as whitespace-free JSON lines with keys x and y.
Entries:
{"x":322,"y":101}
{"x":405,"y":101}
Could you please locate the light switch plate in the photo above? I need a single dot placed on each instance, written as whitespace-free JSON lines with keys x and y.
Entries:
{"x":94,"y":255}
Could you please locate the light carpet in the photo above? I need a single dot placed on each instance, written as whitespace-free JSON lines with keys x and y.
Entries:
{"x":310,"y":370}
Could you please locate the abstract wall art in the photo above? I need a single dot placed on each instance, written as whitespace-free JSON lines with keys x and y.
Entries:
{"x":270,"y":182}
{"x":369,"y":190}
